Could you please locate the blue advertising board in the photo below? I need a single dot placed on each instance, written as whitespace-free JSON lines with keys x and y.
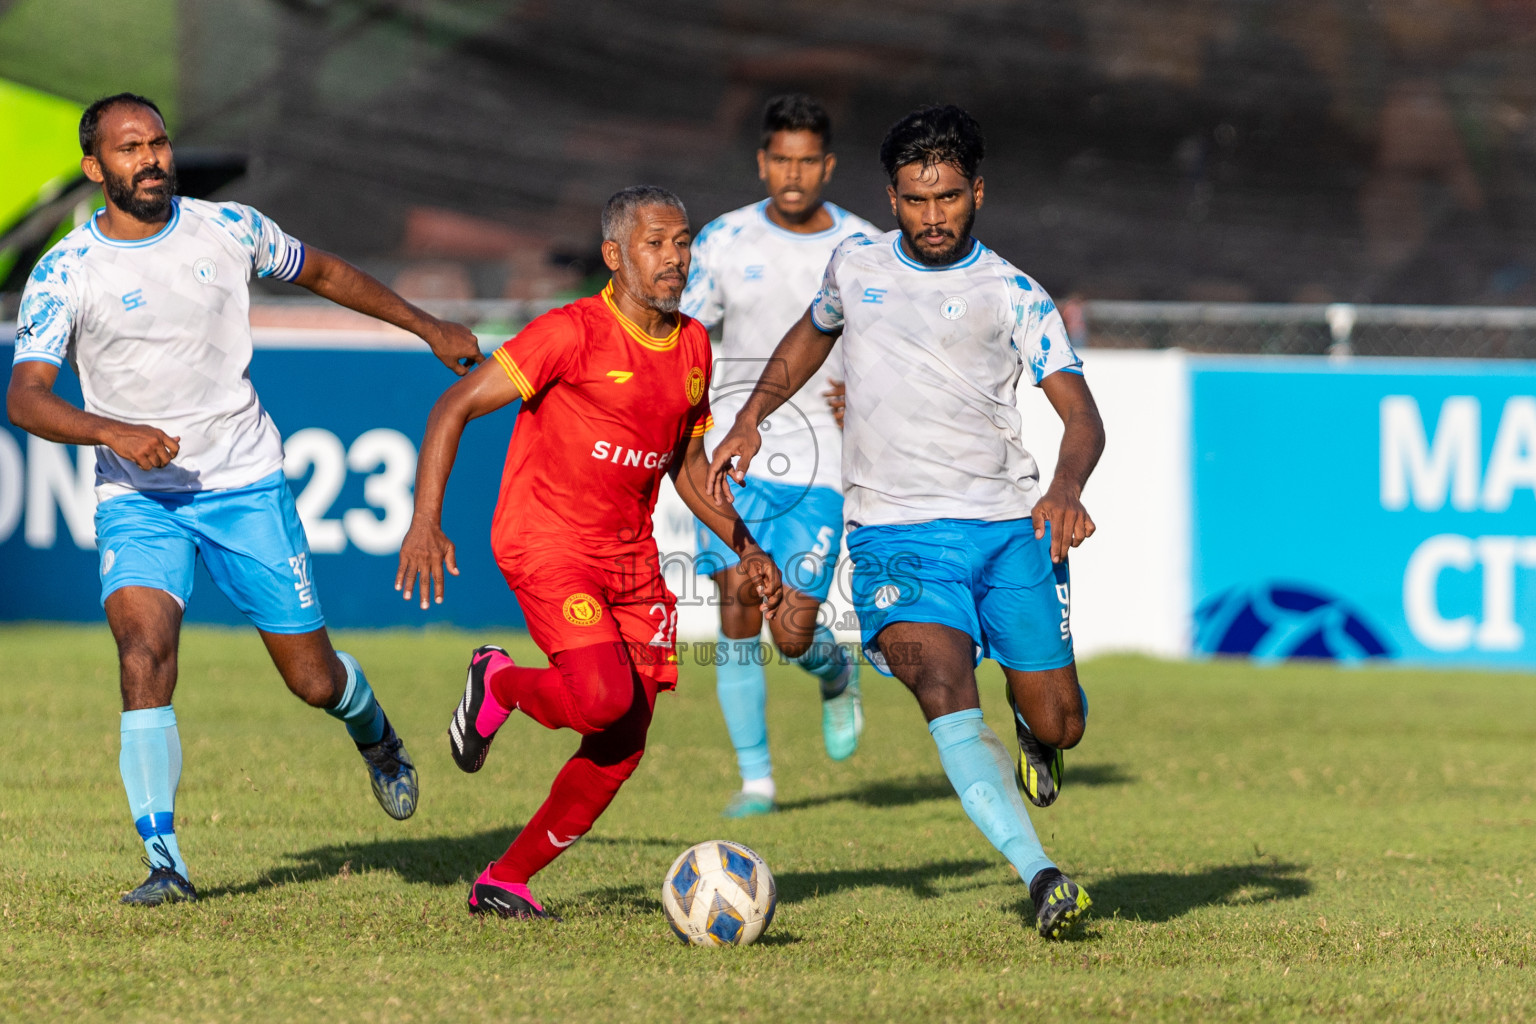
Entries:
{"x":352,"y":421}
{"x":1368,"y":509}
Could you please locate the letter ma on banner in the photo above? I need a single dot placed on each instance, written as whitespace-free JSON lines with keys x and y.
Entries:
{"x":1379,"y":509}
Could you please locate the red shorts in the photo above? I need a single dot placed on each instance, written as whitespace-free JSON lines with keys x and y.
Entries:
{"x":571,"y":600}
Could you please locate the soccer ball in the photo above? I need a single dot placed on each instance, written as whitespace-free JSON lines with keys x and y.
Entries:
{"x":719,"y":893}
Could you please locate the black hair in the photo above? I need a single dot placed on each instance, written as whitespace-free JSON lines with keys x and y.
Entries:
{"x":796,"y":112}
{"x":90,"y":121}
{"x":620,"y":209}
{"x":932,"y":136}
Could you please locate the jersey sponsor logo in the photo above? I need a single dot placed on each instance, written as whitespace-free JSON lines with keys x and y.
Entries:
{"x":134,"y":299}
{"x":25,"y":331}
{"x":205,"y":270}
{"x":953,"y":308}
{"x":754,"y":272}
{"x":582,"y":610}
{"x":694,"y":385}
{"x":887,"y":595}
{"x":609,"y":451}
{"x":620,"y":376}
{"x":875,"y":295}
{"x":108,"y":560}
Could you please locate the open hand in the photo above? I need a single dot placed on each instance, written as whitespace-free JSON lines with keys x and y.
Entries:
{"x":741,"y":444}
{"x":1070,"y":522}
{"x":455,"y":344}
{"x":424,"y":553}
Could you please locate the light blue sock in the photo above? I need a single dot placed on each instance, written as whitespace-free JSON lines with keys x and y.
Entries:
{"x":358,"y":708}
{"x":743,"y":691}
{"x":150,"y":764}
{"x":981,"y":772}
{"x":827,"y":661}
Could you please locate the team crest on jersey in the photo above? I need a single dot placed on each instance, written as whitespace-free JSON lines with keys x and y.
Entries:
{"x":205,"y":270}
{"x":953,"y":308}
{"x":582,"y":610}
{"x":694,"y":385}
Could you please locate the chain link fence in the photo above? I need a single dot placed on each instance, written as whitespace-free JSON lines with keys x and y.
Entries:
{"x":1339,"y":329}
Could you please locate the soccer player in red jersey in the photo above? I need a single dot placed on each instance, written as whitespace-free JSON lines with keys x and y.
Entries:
{"x":614,"y":393}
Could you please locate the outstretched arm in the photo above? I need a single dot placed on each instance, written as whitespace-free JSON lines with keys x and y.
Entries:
{"x":1081,"y":445}
{"x":425,"y":551}
{"x":797,"y":357}
{"x":332,"y":277}
{"x":32,"y":405}
{"x":691,"y":474}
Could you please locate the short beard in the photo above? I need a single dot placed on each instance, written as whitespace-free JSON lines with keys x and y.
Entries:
{"x":947,"y":256}
{"x":156,"y":206}
{"x":660,"y":303}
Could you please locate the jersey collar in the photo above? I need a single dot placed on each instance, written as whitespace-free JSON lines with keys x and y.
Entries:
{"x":170,"y":225}
{"x":970,"y":258}
{"x":837,"y":223}
{"x":637,"y":332}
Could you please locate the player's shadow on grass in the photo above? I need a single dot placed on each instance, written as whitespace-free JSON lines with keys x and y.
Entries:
{"x":435,"y":860}
{"x":900,"y":792}
{"x":797,"y":886}
{"x":1157,"y":896}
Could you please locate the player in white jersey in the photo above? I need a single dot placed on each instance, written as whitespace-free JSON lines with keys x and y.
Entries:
{"x":957,"y":553}
{"x":149,"y":303}
{"x":754,"y":270}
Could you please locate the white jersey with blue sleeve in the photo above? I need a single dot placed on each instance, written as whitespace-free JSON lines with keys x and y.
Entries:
{"x":934,"y":356}
{"x":159,"y":332}
{"x":749,"y":282}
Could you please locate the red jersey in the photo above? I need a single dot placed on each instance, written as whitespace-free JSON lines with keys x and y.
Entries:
{"x":606,"y":409}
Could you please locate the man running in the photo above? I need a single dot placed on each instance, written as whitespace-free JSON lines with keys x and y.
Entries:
{"x":149,"y":303}
{"x":614,"y":394}
{"x":957,"y":554}
{"x":754,"y":271}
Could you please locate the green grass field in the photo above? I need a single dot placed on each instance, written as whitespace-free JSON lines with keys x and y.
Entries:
{"x":1261,"y":844}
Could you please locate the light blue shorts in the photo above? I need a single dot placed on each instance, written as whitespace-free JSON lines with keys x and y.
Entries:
{"x":800,"y":526}
{"x":991,"y":580}
{"x":250,"y":538}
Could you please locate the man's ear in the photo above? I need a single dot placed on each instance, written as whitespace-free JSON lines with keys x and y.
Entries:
{"x":762,"y":165}
{"x":978,"y":189}
{"x":828,"y":165}
{"x":890,"y":190}
{"x":611,"y":255}
{"x":91,"y":167}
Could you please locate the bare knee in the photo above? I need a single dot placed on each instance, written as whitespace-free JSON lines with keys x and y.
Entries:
{"x":320,"y":683}
{"x":1060,"y":724}
{"x":147,"y":667}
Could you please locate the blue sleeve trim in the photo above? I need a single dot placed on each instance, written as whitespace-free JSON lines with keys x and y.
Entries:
{"x":1071,"y":369}
{"x":38,"y":357}
{"x":823,"y":328}
{"x":293,"y":261}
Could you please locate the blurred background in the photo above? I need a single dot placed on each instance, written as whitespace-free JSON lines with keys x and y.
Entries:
{"x":1212,"y":150}
{"x":1335,"y":179}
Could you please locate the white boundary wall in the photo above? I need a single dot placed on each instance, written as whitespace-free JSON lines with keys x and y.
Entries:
{"x":1131,"y":581}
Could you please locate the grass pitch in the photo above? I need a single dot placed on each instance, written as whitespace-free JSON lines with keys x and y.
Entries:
{"x":1260,"y":844}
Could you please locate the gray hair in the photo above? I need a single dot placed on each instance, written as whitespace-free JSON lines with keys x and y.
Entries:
{"x":620,"y":209}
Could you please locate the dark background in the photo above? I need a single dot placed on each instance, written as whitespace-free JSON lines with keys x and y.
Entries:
{"x":1305,"y":150}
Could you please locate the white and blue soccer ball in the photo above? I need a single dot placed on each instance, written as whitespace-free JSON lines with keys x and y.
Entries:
{"x":719,"y":893}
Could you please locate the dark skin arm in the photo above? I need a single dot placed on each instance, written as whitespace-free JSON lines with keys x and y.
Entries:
{"x":426,"y":551}
{"x":332,"y":277}
{"x":798,"y":356}
{"x":691,"y":475}
{"x":32,"y":406}
{"x":1081,"y":445}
